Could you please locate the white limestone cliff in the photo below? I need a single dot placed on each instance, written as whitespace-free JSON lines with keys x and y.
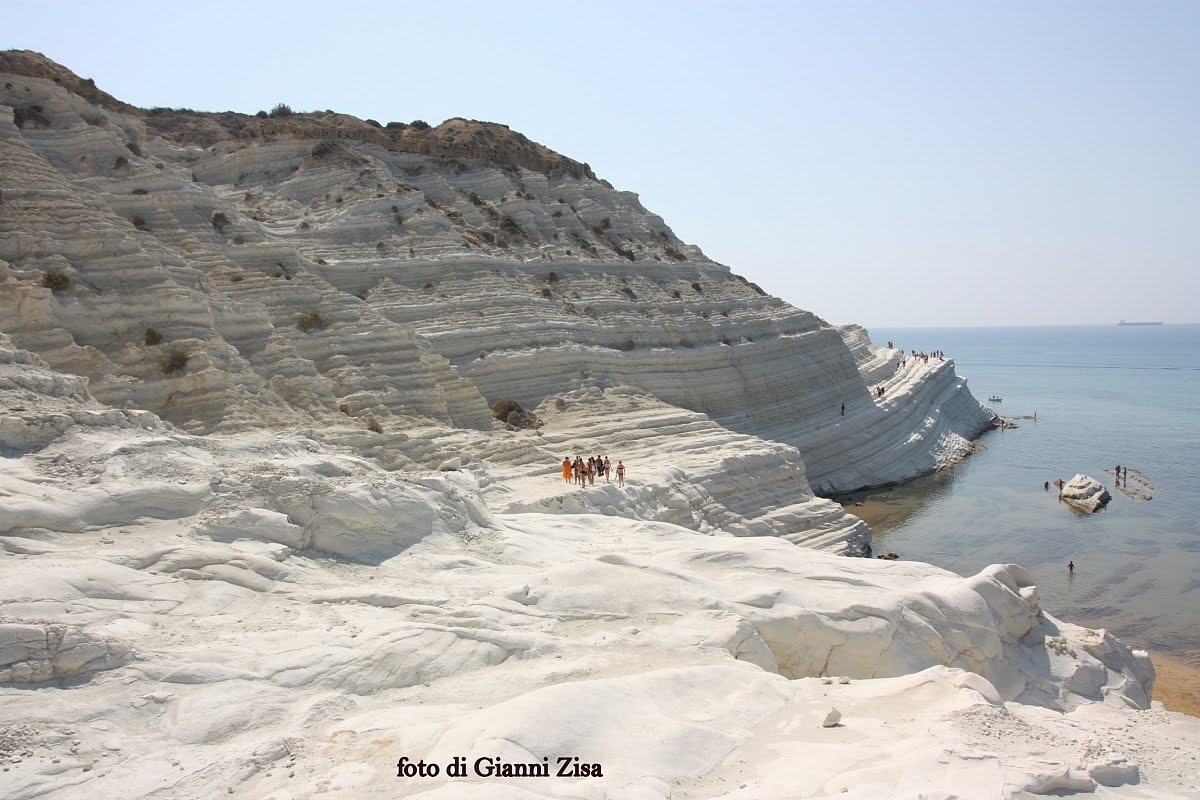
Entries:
{"x":258,"y":615}
{"x":262,"y":537}
{"x":316,"y":272}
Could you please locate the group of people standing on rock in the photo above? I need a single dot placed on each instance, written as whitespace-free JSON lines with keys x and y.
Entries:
{"x":585,"y":473}
{"x":938,"y":354}
{"x":1122,"y":474}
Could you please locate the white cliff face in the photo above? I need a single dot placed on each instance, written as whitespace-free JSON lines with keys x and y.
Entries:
{"x":262,"y":537}
{"x":316,"y":273}
{"x":258,"y":615}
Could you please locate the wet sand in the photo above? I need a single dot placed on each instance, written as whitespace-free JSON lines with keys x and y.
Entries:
{"x":880,"y":508}
{"x":1177,"y":684}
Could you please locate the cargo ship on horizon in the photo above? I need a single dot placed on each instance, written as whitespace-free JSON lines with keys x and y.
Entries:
{"x":1124,"y":323}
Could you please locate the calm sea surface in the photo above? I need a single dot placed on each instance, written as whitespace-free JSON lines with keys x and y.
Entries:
{"x":1103,"y":396}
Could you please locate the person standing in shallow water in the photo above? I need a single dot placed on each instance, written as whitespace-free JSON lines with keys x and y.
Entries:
{"x":843,"y":409}
{"x":1071,"y":567}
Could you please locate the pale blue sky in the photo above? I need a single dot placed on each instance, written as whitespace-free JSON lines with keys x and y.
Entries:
{"x":884,"y":163}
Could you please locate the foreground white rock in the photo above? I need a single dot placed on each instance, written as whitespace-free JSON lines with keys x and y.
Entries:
{"x":305,"y":620}
{"x":1085,"y":493}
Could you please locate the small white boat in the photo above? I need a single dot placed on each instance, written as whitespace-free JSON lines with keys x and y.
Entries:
{"x":994,"y":399}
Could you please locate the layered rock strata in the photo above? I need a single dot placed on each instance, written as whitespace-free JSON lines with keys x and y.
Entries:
{"x":258,"y":615}
{"x":315,"y":271}
{"x":231,"y":357}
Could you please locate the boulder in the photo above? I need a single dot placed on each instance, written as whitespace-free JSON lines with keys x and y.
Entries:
{"x":1085,"y":493}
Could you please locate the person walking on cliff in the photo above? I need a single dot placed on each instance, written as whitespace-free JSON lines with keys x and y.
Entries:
{"x":567,"y":469}
{"x":843,"y":409}
{"x":620,"y":473}
{"x":607,"y":470}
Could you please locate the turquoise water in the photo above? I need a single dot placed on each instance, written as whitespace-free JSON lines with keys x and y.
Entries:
{"x":1103,"y":396}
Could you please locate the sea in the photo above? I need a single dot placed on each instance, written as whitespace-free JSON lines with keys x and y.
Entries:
{"x":1083,"y":399}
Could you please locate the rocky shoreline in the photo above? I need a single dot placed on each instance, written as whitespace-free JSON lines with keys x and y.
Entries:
{"x":267,"y":530}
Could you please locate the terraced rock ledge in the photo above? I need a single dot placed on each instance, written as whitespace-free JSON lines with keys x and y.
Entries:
{"x":262,"y":536}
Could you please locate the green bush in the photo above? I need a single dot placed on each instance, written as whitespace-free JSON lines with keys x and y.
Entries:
{"x":174,"y":361}
{"x":322,"y":149}
{"x":56,"y":280}
{"x":281,"y":110}
{"x":512,"y":413}
{"x":151,"y":337}
{"x":311,"y":322}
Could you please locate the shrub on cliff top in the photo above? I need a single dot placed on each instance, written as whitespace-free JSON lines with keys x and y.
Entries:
{"x":151,"y":337}
{"x":281,"y":110}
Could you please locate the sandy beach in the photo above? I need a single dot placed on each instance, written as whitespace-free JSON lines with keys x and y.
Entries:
{"x":1177,"y":684}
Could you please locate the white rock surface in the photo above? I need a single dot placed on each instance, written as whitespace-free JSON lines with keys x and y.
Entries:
{"x":308,"y":619}
{"x":271,"y":591}
{"x":317,"y":273}
{"x":1085,"y":493}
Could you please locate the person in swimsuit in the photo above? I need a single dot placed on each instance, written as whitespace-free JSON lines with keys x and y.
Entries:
{"x":607,"y":470}
{"x":620,"y":473}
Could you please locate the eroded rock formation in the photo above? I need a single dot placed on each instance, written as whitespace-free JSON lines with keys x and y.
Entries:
{"x":228,"y":272}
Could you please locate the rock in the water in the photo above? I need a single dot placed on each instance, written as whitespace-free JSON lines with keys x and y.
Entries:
{"x":1085,"y":493}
